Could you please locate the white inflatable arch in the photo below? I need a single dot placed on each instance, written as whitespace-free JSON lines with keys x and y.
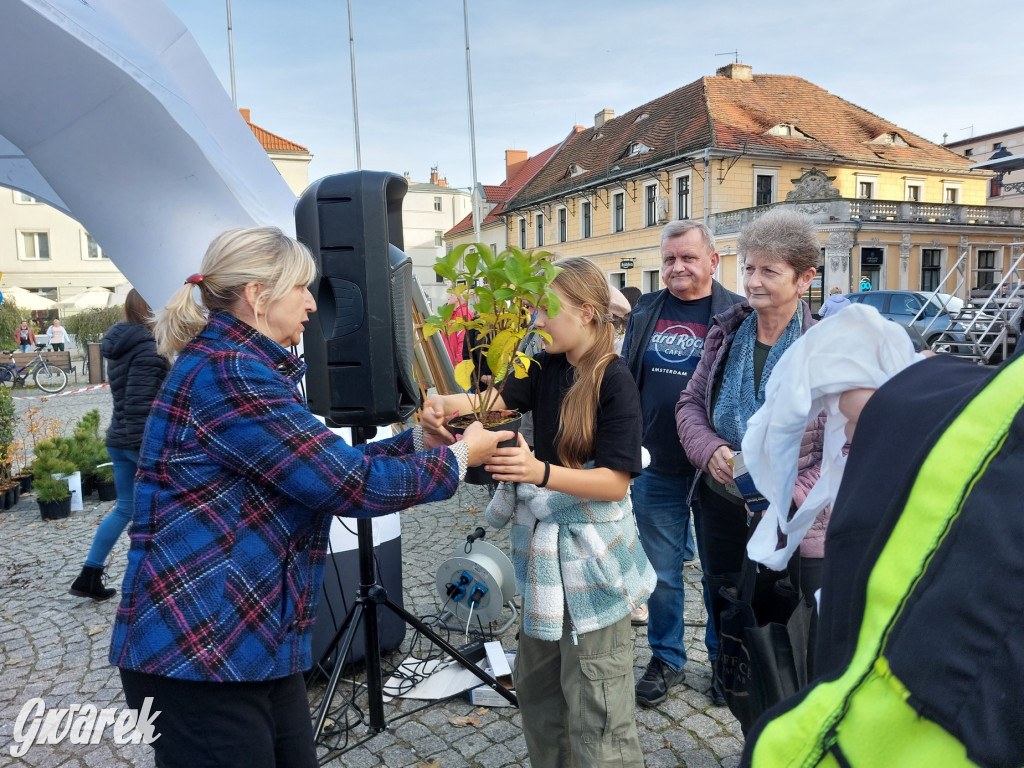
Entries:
{"x":112,"y":114}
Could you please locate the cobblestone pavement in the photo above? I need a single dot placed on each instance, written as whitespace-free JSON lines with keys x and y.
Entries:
{"x":54,"y":646}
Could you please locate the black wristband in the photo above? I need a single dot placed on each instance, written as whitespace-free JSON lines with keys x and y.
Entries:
{"x":547,"y":474}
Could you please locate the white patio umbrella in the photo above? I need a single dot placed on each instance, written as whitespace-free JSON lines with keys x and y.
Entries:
{"x":26,"y":299}
{"x":87,"y":299}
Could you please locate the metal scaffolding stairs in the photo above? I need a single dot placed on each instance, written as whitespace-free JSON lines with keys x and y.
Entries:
{"x":986,"y":329}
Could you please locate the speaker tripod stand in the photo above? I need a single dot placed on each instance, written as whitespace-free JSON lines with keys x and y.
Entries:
{"x":371,"y":598}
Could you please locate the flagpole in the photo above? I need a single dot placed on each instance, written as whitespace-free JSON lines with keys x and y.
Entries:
{"x":355,"y":92}
{"x":472,"y":126}
{"x":231,"y":56}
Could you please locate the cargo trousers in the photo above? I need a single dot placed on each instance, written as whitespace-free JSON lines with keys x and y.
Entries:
{"x":576,"y":698}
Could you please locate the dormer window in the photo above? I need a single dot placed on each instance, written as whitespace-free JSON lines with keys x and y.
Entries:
{"x":890,"y":138}
{"x":574,"y":170}
{"x":641,"y":118}
{"x":597,"y":136}
{"x":637,"y":148}
{"x":788,"y":130}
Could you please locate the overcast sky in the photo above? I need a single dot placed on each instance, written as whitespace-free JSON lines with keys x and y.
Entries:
{"x":539,"y":67}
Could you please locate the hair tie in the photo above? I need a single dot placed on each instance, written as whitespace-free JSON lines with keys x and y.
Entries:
{"x":547,"y":474}
{"x":193,"y":279}
{"x":609,"y":318}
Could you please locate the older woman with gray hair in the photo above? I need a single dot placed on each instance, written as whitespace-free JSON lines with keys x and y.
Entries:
{"x":780,"y":253}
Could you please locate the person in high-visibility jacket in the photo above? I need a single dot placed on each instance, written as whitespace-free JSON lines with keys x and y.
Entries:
{"x":920,"y":645}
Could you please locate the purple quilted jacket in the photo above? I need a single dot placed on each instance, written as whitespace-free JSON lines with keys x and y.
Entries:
{"x":699,"y":439}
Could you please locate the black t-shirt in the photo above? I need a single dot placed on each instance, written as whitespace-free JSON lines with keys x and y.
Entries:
{"x":670,"y":359}
{"x":618,"y":433}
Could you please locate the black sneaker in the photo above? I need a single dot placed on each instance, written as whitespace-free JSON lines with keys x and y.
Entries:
{"x":652,"y":688}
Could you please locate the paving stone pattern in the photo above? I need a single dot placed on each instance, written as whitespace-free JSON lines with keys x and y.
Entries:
{"x":54,"y":646}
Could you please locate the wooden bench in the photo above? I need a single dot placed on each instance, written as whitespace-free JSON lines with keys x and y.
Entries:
{"x":60,"y":359}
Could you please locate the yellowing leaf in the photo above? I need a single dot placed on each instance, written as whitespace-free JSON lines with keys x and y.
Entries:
{"x":500,"y":354}
{"x":464,"y":374}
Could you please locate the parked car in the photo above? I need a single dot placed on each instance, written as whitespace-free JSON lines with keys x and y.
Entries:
{"x":903,"y":306}
{"x":980,"y":295}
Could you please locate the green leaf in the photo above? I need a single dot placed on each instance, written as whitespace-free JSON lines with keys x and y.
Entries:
{"x":454,"y":256}
{"x":516,"y":271}
{"x":554,"y":306}
{"x":447,"y":271}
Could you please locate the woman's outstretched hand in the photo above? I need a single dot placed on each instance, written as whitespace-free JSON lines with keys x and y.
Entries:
{"x":432,"y":420}
{"x":483,"y":444}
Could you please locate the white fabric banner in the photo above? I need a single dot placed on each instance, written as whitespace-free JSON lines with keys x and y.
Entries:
{"x":856,"y":348}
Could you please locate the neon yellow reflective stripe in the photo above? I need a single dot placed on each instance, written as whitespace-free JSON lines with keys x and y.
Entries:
{"x":898,"y":735}
{"x":797,"y":738}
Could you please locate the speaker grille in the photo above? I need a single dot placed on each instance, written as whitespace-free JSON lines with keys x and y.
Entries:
{"x":401,"y":313}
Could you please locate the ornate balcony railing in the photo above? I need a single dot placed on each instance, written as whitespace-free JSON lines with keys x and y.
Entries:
{"x":840,"y":210}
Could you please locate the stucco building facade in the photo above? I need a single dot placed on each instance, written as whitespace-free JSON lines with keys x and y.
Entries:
{"x":890,"y":206}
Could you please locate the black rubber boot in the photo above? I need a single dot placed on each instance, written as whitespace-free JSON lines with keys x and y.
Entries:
{"x":90,"y":584}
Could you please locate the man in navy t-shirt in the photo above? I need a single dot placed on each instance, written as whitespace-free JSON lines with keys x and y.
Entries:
{"x":663,"y":343}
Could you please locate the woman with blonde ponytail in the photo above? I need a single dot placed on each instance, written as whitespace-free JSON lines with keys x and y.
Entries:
{"x":236,"y":487}
{"x":579,"y":564}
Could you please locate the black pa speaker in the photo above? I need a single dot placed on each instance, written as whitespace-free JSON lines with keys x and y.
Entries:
{"x":359,"y":343}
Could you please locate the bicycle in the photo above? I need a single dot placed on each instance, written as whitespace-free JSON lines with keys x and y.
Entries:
{"x":49,"y":378}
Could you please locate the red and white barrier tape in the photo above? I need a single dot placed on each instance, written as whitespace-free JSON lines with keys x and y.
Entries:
{"x":63,"y":394}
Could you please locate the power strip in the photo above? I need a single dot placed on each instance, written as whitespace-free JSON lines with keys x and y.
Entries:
{"x":474,"y":651}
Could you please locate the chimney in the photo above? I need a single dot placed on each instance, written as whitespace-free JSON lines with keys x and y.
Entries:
{"x":736,"y":71}
{"x":515,"y":159}
{"x":603,"y":117}
{"x":245,"y":114}
{"x":433,"y":175}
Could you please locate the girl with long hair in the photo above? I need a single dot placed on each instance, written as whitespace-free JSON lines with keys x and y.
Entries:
{"x":579,"y":564}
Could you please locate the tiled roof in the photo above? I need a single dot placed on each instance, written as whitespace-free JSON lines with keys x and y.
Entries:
{"x":731,"y":114}
{"x":501,"y":192}
{"x":271,"y":142}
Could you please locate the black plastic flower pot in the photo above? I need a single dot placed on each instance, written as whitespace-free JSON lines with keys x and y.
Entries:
{"x":478,"y":475}
{"x":55,"y":510}
{"x":106,"y":490}
{"x":26,"y":482}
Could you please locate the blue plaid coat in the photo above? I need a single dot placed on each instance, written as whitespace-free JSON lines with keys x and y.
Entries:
{"x":236,"y":486}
